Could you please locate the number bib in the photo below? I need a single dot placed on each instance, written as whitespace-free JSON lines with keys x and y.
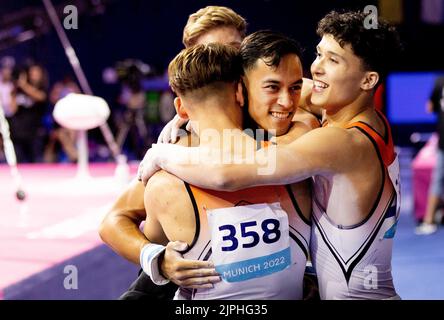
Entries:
{"x":249,"y":241}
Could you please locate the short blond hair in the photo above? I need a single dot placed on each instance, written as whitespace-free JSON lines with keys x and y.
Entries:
{"x":204,"y":65}
{"x":209,"y":18}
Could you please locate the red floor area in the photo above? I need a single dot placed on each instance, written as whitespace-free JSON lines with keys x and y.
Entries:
{"x":58,"y":220}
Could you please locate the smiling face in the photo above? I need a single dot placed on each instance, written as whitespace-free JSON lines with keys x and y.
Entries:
{"x":225,"y":34}
{"x":273,"y":93}
{"x":337,"y":75}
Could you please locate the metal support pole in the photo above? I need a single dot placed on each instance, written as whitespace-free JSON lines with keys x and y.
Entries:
{"x":74,"y":61}
{"x":11,"y":159}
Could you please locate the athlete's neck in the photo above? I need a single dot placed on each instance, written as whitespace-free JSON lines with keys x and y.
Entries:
{"x":212,"y":123}
{"x":358,"y":110}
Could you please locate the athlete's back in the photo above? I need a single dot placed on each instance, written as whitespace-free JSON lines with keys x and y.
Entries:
{"x":259,"y":236}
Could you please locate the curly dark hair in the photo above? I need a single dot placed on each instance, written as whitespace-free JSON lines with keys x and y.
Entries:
{"x":378,"y":48}
{"x":267,"y":45}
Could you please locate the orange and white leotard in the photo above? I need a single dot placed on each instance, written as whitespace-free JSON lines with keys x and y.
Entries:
{"x":354,"y":262}
{"x":257,"y":238}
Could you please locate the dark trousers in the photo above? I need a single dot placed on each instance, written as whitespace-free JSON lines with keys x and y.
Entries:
{"x":144,"y":289}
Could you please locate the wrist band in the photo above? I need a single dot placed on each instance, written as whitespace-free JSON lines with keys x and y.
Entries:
{"x":149,"y":257}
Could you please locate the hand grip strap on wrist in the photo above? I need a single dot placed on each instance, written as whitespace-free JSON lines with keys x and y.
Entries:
{"x":149,"y":257}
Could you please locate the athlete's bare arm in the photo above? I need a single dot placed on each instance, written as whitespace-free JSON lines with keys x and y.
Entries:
{"x":307,"y":112}
{"x":305,"y":100}
{"x":120,"y":227}
{"x":298,"y":129}
{"x":321,"y":151}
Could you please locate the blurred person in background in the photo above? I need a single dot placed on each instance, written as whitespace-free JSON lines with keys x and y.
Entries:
{"x":133,"y":98}
{"x":59,"y":136}
{"x":436,"y":105}
{"x":6,"y":87}
{"x":29,"y":100}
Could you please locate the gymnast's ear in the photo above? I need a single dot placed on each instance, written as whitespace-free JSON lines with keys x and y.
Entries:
{"x":180,"y":108}
{"x":240,"y":94}
{"x":370,"y":80}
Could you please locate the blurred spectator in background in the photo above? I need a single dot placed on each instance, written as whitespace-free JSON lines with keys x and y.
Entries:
{"x":29,"y":99}
{"x":436,"y":190}
{"x":133,"y":98}
{"x":59,"y":136}
{"x":7,"y":65}
{"x":6,"y":87}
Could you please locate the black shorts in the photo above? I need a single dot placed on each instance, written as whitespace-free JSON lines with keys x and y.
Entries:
{"x":145,"y":289}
